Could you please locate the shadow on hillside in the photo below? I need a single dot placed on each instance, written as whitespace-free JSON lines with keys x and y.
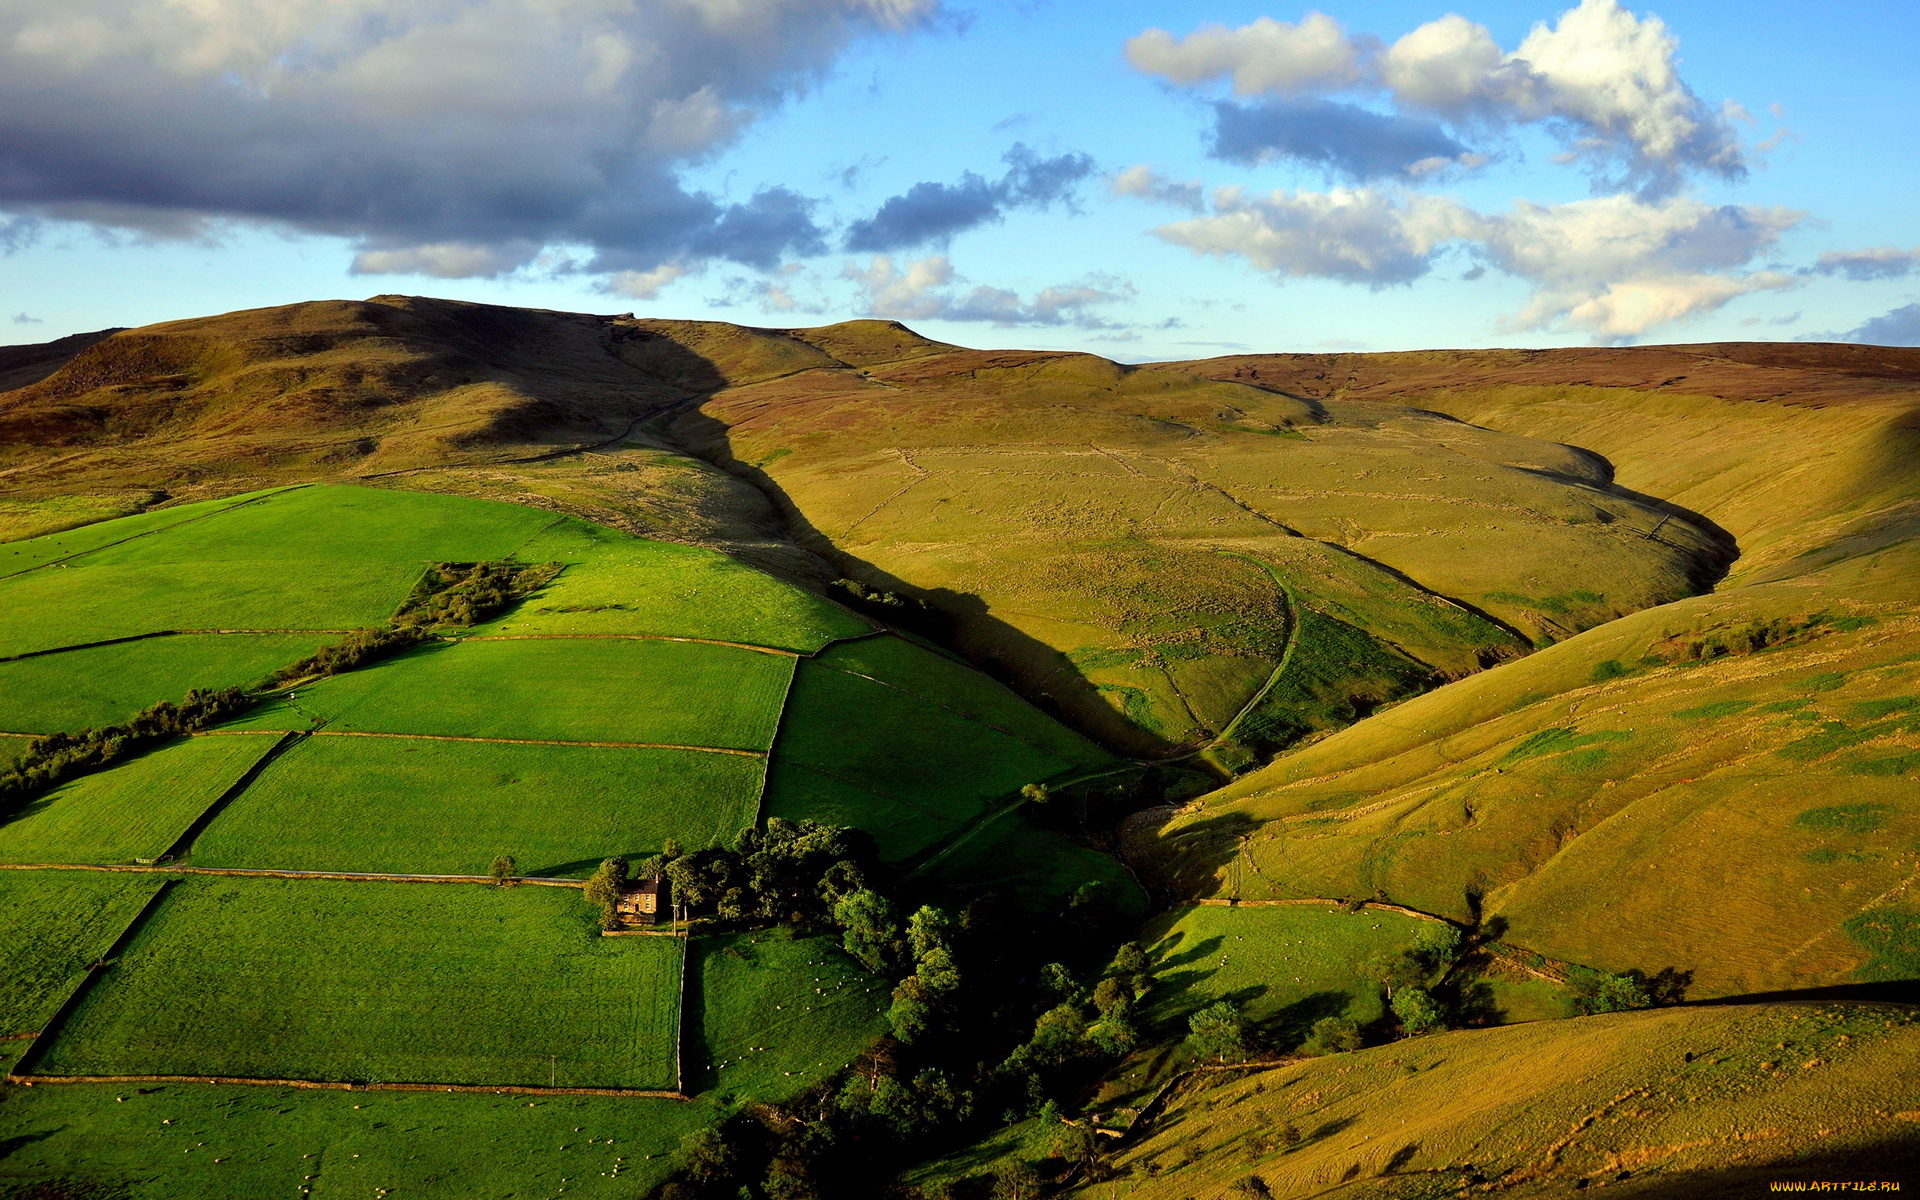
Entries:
{"x":1898,"y":991}
{"x":1891,"y":1161}
{"x":1000,"y":650}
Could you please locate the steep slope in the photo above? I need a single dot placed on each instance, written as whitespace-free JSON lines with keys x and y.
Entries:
{"x":1146,"y":549}
{"x":1757,"y":744}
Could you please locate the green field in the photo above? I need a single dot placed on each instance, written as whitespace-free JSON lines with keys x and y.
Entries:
{"x":940,"y":680}
{"x":618,"y":584}
{"x":418,"y":983}
{"x":661,"y":693}
{"x":780,"y":1013}
{"x":33,"y":552}
{"x":52,"y":924}
{"x":430,"y":807}
{"x":74,"y":689}
{"x":1005,"y":855}
{"x":1284,"y":966}
{"x":223,"y":1142}
{"x":134,"y":811}
{"x":933,"y":770}
{"x":311,"y":558}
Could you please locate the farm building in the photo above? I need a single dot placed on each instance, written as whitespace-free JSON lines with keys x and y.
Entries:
{"x":642,"y":901}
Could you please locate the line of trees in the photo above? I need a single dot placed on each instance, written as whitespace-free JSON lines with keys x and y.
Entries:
{"x":58,"y":757}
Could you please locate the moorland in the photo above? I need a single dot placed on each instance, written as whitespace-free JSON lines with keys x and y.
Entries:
{"x":1397,"y":774}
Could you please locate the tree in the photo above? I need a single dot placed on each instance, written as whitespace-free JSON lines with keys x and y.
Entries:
{"x":869,"y":929}
{"x":1218,"y":1031}
{"x":505,"y":869}
{"x":1078,"y":1144}
{"x":1036,"y":793}
{"x":1417,"y":1011}
{"x":605,"y":886}
{"x":1017,"y":1182}
{"x":1332,"y":1035}
{"x":1603,"y":992}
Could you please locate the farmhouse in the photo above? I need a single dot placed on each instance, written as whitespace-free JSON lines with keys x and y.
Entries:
{"x":641,"y":901}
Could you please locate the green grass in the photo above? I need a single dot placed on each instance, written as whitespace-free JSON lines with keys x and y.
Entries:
{"x":900,"y":827}
{"x":223,"y":1142}
{"x":1334,"y":674}
{"x":310,"y":558}
{"x":52,"y":924}
{"x":673,"y":693}
{"x":961,"y":689}
{"x":1007,"y":856}
{"x":433,"y":983}
{"x":894,"y":754}
{"x":331,"y":523}
{"x":74,"y":689}
{"x":618,"y":584}
{"x":780,"y":1013}
{"x":52,"y":547}
{"x":134,"y":810}
{"x":380,"y":804}
{"x":1285,"y":966}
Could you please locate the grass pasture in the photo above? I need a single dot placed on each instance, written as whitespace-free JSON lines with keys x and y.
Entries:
{"x":429,"y":807}
{"x":780,"y":1013}
{"x":419,"y":983}
{"x":134,"y":811}
{"x":893,"y":754}
{"x":75,"y":689}
{"x":52,"y":924}
{"x":666,"y":693}
{"x":334,"y":557}
{"x":1285,"y":966}
{"x":17,"y":556}
{"x":618,"y":584}
{"x":227,"y":1142}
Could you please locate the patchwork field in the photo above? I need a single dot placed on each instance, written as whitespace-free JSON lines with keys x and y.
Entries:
{"x":657,"y":692}
{"x":52,"y":926}
{"x":132,"y":813}
{"x":408,"y":983}
{"x":74,"y":689}
{"x":780,"y":1013}
{"x":430,"y":807}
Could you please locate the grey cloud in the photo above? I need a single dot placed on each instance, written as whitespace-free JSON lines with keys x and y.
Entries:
{"x":1884,"y":262}
{"x":438,"y":137}
{"x":1901,"y":327}
{"x":934,"y":212}
{"x":1344,"y":140}
{"x":27,"y":319}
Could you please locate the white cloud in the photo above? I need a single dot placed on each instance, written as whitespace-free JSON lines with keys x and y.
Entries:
{"x":1613,"y":267}
{"x":922,"y":290}
{"x":447,"y":260}
{"x":1881,"y":262}
{"x":1266,"y":56}
{"x":1601,"y":79}
{"x":646,"y":285}
{"x":1144,"y":183}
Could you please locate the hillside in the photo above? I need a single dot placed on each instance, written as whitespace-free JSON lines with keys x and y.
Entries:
{"x":1476,"y":673}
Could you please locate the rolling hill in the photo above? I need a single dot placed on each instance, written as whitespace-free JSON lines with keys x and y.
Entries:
{"x":1530,"y":669}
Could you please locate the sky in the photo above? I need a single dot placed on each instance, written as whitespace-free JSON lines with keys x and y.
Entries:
{"x":1142,"y":179}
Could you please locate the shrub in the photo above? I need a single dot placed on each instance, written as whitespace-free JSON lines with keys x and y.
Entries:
{"x":1333,"y":1035}
{"x":1218,"y":1031}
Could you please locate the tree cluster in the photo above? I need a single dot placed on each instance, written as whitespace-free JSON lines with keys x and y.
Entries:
{"x":53,"y":759}
{"x":470,"y":593}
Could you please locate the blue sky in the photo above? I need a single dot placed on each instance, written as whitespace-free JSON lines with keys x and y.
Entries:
{"x":1381,"y":176}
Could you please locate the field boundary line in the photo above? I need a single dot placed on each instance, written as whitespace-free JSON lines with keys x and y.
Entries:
{"x":281,"y":491}
{"x":164,"y":633}
{"x":283,"y":873}
{"x":680,"y":1017}
{"x":497,"y":1089}
{"x":773,"y":743}
{"x":626,"y":637}
{"x":183,"y":845}
{"x":1225,"y":902}
{"x":448,"y":737}
{"x":21,"y":1069}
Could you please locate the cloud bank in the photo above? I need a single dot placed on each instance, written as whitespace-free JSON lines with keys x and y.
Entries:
{"x":923,"y":290}
{"x":1612,"y":267}
{"x":446,"y":137}
{"x":1602,"y":81}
